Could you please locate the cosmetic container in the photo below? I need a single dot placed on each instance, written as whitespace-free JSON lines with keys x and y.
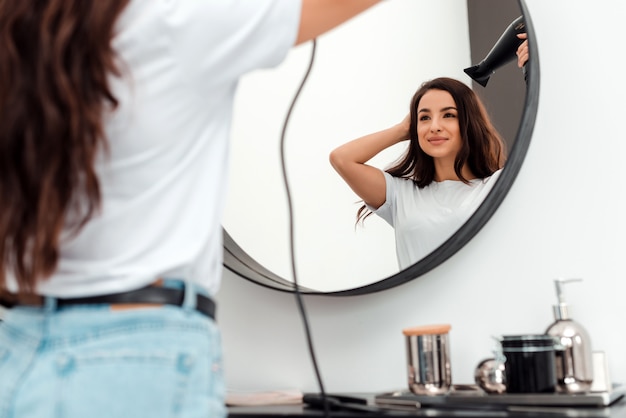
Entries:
{"x":574,"y":362}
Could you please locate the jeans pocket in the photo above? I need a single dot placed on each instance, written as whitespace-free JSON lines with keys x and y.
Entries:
{"x":16,"y":355}
{"x":124,"y":383}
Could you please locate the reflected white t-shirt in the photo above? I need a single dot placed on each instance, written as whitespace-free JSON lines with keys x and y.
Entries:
{"x":425,"y":218}
{"x":164,"y":180}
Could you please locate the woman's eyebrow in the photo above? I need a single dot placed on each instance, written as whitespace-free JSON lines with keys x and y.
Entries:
{"x":443,"y":109}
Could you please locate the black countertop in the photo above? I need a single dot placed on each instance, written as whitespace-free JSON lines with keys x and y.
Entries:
{"x":372,"y":410}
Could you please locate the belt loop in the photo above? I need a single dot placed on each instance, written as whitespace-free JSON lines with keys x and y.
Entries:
{"x":190,"y":299}
{"x":49,"y":304}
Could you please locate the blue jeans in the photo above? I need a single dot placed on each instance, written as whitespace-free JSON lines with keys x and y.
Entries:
{"x":89,"y":361}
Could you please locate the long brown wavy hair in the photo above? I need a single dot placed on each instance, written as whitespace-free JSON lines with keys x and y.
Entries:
{"x":55,"y":57}
{"x":483,"y":150}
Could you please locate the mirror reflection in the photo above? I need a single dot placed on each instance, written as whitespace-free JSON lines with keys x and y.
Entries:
{"x":345,"y":97}
{"x":453,"y":157}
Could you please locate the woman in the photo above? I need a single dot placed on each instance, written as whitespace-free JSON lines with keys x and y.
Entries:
{"x":114,"y":124}
{"x":453,"y":157}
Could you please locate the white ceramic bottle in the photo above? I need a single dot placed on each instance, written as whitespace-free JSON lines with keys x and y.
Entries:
{"x":574,"y":363}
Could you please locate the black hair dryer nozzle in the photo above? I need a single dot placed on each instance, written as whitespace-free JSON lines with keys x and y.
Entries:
{"x":503,"y":51}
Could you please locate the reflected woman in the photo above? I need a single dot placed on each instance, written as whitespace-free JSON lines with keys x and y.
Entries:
{"x":453,"y":158}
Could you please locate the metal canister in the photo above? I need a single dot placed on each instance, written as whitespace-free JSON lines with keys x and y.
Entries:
{"x":428,"y":355}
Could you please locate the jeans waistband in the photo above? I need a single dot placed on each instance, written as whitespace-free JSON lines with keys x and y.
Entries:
{"x":163,"y":292}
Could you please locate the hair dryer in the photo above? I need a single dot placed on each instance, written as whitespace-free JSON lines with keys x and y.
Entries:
{"x":503,"y":51}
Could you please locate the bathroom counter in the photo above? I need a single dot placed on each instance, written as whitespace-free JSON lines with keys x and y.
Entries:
{"x":617,"y":410}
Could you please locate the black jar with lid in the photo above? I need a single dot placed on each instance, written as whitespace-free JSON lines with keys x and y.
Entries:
{"x":530,"y":365}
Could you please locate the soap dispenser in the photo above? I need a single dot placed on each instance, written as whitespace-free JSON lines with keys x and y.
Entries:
{"x":574,"y":366}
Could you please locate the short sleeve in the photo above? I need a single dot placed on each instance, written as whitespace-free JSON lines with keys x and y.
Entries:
{"x":387,"y":209}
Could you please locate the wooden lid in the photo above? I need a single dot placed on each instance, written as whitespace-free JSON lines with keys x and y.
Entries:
{"x":427,"y":329}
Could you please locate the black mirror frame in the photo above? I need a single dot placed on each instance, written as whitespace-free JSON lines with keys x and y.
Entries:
{"x":239,"y":262}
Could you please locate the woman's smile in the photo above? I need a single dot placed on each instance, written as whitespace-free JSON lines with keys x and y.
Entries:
{"x":437,"y":140}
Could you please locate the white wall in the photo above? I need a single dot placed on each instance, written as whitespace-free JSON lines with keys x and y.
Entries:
{"x":564,"y":216}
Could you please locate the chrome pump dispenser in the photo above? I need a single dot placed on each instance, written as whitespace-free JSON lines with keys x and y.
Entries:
{"x":574,"y":364}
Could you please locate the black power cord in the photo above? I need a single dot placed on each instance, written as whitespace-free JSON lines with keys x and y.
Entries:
{"x":297,"y":293}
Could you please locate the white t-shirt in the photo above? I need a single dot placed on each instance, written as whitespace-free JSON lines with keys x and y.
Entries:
{"x":164,"y":181}
{"x":425,"y":218}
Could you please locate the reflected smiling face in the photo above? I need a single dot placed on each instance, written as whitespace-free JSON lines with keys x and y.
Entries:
{"x":438,"y":128}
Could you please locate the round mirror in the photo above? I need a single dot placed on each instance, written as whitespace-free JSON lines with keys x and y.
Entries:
{"x":362,"y":77}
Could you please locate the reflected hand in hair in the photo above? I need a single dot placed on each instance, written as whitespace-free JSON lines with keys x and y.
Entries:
{"x":349,"y":160}
{"x":522,"y":51}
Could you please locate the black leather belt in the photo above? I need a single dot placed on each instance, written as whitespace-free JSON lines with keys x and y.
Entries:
{"x":151,"y":294}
